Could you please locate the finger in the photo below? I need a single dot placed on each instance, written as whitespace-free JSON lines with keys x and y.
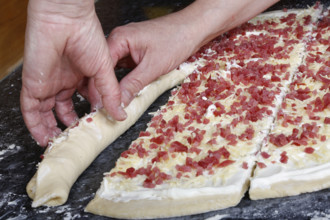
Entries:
{"x":64,"y":107}
{"x":107,"y":85}
{"x":82,"y":87}
{"x":118,"y":45}
{"x":39,"y":118}
{"x":87,"y":89}
{"x":137,"y":79}
{"x":94,"y":97}
{"x":123,"y":46}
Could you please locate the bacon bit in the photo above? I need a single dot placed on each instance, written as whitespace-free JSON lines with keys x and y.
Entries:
{"x":153,"y":146}
{"x":178,"y":175}
{"x":183,"y":168}
{"x":191,"y":163}
{"x":199,"y":171}
{"x":226,"y":163}
{"x":316,"y":118}
{"x":177,"y":146}
{"x":144,"y":134}
{"x":232,"y":138}
{"x":307,"y":19}
{"x":301,"y":94}
{"x":42,"y":156}
{"x":89,"y":120}
{"x":141,"y":151}
{"x":317,"y":5}
{"x":174,"y":122}
{"x":76,"y":124}
{"x":284,"y":158}
{"x":213,"y":158}
{"x":158,"y":140}
{"x":160,"y":155}
{"x":309,"y":150}
{"x":194,"y":150}
{"x":245,"y":165}
{"x":269,"y":112}
{"x":126,"y":153}
{"x":275,"y":79}
{"x":327,"y":120}
{"x":206,"y":121}
{"x":261,"y":165}
{"x":247,"y":134}
{"x":208,"y":162}
{"x":212,"y":141}
{"x":279,"y":140}
{"x":265,"y":155}
{"x":154,"y":175}
{"x":131,"y":172}
{"x":198,"y":136}
{"x":148,"y":183}
{"x":323,"y":138}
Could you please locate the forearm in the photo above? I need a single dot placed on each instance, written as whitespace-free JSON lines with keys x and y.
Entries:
{"x":211,"y":18}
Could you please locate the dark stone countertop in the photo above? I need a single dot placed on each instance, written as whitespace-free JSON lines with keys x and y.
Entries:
{"x":19,"y":154}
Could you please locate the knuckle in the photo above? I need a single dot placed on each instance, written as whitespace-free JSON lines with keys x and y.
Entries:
{"x":118,"y":31}
{"x":135,"y":85}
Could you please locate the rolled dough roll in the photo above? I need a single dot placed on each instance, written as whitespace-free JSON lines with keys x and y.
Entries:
{"x":75,"y":149}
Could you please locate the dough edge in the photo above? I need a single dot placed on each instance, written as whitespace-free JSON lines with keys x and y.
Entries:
{"x":289,"y":188}
{"x":148,"y":209}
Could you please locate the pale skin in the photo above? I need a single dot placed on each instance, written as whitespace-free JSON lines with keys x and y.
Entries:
{"x":66,"y":51}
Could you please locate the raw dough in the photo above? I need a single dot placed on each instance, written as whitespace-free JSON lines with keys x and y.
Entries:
{"x":75,"y":149}
{"x":164,"y":208}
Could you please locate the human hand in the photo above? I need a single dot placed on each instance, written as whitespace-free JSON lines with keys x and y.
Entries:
{"x":156,"y":47}
{"x":160,"y":45}
{"x":65,"y":50}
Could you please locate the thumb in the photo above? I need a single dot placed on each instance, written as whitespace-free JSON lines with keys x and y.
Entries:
{"x":136,"y":80}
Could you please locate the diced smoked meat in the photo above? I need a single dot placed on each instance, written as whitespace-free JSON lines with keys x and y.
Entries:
{"x":245,"y":165}
{"x":261,"y":165}
{"x":284,"y":157}
{"x":327,"y":120}
{"x":226,"y":163}
{"x":301,"y":94}
{"x":309,"y":150}
{"x":265,"y":155}
{"x":176,"y":146}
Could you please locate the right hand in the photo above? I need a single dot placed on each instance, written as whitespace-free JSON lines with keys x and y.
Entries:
{"x":65,"y":50}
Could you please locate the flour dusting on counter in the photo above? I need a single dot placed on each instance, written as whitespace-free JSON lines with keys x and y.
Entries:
{"x":217,"y":217}
{"x":12,"y":148}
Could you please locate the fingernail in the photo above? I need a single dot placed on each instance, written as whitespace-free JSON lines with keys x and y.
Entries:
{"x":125,"y":97}
{"x":122,"y":113}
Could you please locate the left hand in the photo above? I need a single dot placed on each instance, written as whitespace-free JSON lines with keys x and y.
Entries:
{"x":156,"y":46}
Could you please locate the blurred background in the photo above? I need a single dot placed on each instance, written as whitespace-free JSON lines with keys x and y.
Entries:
{"x":12,"y":28}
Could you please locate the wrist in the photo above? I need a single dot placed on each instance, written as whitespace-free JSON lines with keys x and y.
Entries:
{"x":211,"y":18}
{"x":61,"y":10}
